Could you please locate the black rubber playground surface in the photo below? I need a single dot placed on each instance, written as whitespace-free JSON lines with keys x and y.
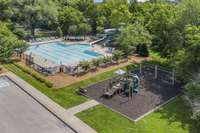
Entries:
{"x":154,"y":92}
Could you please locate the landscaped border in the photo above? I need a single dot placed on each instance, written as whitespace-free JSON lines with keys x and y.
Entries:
{"x":66,"y":96}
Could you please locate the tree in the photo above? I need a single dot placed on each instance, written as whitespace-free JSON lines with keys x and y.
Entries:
{"x":143,"y":50}
{"x":70,"y":16}
{"x":190,"y":62}
{"x":100,"y":29}
{"x":9,"y":43}
{"x":31,"y":13}
{"x":73,"y":29}
{"x":189,"y":13}
{"x":167,"y":38}
{"x":114,"y":12}
{"x":133,"y":35}
{"x":84,"y":29}
{"x":4,"y":9}
{"x":59,"y":32}
{"x":192,"y":97}
{"x":86,"y":7}
{"x":20,"y":32}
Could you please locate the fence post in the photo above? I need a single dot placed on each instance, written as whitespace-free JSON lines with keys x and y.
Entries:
{"x":140,"y":68}
{"x":156,"y":71}
{"x":173,"y":77}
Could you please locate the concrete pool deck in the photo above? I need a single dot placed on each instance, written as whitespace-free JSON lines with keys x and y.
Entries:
{"x":30,"y":112}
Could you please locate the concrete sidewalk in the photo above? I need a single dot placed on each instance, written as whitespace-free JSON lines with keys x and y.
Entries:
{"x":66,"y":116}
{"x":81,"y":107}
{"x":79,"y":125}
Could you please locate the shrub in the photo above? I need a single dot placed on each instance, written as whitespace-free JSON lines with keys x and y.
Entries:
{"x":35,"y":75}
{"x":85,"y":65}
{"x":96,"y":62}
{"x":1,"y":68}
{"x":137,"y":49}
{"x":107,"y":59}
{"x":100,"y":60}
{"x":143,"y":50}
{"x":48,"y":84}
{"x":117,"y":55}
{"x":131,"y":67}
{"x":59,"y":32}
{"x":158,"y":60}
{"x":192,"y":93}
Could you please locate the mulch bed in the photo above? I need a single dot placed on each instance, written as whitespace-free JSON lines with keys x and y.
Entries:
{"x":154,"y":92}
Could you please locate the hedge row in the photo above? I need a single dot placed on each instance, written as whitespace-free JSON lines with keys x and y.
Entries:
{"x":35,"y":75}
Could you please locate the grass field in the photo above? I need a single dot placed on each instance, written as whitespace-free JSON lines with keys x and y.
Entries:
{"x":66,"y":96}
{"x":172,"y":118}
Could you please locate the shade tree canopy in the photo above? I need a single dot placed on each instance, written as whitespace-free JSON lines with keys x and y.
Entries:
{"x":132,"y":36}
{"x":70,"y":16}
{"x":31,"y":13}
{"x":9,"y":42}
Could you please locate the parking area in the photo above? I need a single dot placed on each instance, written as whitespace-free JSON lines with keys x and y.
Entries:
{"x":20,"y":113}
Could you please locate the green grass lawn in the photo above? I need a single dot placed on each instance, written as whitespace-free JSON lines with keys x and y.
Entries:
{"x":66,"y":96}
{"x":172,"y":118}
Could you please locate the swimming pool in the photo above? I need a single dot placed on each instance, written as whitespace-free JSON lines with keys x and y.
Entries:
{"x":65,"y":54}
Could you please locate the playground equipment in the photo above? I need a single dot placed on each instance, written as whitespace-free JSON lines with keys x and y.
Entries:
{"x":131,"y":85}
{"x":128,"y":85}
{"x":169,"y":76}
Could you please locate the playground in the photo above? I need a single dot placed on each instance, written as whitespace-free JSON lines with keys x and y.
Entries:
{"x":136,"y":93}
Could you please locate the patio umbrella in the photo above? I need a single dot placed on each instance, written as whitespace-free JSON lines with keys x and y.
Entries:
{"x":120,"y":72}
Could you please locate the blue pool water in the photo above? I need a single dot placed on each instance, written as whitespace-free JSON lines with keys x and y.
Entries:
{"x":58,"y":52}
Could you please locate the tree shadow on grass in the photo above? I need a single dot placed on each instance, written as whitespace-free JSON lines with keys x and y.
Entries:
{"x":176,"y":111}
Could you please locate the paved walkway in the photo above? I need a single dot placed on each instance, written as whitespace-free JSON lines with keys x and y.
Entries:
{"x":67,"y":116}
{"x":79,"y":125}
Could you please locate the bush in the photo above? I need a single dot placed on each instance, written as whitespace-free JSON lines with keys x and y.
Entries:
{"x":158,"y":60}
{"x":196,"y":117}
{"x":96,"y":62}
{"x":131,"y":67}
{"x":85,"y":65}
{"x":1,"y":68}
{"x":35,"y":75}
{"x":117,"y":55}
{"x":192,"y":93}
{"x":59,"y":32}
{"x":137,"y":49}
{"x":48,"y":84}
{"x":143,"y":50}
